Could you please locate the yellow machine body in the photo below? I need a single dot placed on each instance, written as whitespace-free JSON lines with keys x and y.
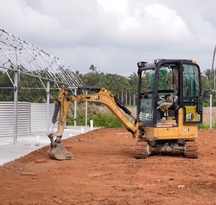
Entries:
{"x":171,"y":131}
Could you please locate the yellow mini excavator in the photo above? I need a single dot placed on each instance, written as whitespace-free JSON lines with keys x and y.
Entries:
{"x":169,"y":109}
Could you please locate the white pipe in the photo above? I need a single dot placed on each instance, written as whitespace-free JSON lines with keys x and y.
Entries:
{"x":91,"y":124}
{"x":37,"y":143}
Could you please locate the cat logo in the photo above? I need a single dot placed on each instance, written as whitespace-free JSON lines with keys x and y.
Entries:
{"x":186,"y":130}
{"x":95,"y":97}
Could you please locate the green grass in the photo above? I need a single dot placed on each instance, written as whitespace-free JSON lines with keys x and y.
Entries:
{"x":204,"y":126}
{"x":100,"y":115}
{"x":103,"y":117}
{"x":207,"y":125}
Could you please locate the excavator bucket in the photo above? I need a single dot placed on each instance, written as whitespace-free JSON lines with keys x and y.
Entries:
{"x":59,"y":152}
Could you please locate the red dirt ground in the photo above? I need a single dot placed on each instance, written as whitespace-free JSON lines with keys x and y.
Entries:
{"x":105,"y":172}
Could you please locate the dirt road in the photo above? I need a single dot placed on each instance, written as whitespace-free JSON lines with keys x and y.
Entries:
{"x":105,"y":172}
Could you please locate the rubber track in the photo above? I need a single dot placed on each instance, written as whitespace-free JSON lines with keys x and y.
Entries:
{"x":141,"y":149}
{"x":191,"y":150}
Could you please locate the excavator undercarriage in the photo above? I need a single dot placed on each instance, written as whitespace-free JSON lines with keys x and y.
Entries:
{"x":145,"y":148}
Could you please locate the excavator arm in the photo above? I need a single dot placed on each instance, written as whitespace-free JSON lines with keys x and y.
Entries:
{"x":100,"y":95}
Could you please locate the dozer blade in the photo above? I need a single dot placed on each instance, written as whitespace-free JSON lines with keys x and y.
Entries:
{"x":59,"y":152}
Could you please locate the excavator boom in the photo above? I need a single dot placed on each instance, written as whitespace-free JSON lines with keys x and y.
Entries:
{"x":99,"y":95}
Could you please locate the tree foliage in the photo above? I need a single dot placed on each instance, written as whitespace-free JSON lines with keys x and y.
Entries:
{"x":31,"y":89}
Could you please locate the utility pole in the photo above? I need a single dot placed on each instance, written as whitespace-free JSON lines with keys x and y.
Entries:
{"x":213,"y":64}
{"x":213,"y":69}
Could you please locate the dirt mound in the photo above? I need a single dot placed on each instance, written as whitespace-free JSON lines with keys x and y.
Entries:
{"x":105,"y":172}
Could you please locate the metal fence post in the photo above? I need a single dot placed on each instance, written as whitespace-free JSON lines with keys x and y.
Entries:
{"x":210,"y":111}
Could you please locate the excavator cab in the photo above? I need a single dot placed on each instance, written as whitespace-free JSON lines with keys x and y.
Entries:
{"x":169,"y":106}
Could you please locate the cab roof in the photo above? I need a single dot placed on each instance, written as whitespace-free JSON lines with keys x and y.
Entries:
{"x":142,"y":65}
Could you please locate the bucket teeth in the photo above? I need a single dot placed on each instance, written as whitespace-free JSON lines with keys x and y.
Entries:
{"x":59,"y":152}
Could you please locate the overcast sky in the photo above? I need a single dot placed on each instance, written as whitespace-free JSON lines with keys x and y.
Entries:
{"x":114,"y":35}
